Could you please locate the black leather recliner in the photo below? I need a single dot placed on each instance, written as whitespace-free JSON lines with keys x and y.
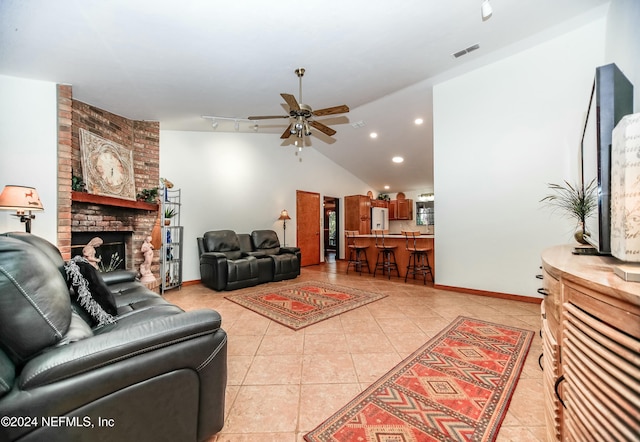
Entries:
{"x":155,"y":373}
{"x":285,"y":261}
{"x":223,"y":265}
{"x":230,"y":261}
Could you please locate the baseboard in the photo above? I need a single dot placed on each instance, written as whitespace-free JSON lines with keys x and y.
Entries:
{"x":193,"y":282}
{"x":511,"y":297}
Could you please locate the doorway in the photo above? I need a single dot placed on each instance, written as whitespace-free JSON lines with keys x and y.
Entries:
{"x":331,"y":228}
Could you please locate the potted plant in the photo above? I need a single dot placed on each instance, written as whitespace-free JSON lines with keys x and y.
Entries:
{"x":169,"y":213}
{"x":577,"y":202}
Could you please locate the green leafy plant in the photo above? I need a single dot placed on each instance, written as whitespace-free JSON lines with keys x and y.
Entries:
{"x":77,"y":184}
{"x":575,"y":201}
{"x":169,"y":213}
{"x":148,"y":195}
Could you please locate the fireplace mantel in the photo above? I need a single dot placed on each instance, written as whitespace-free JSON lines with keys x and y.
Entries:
{"x":84,"y":197}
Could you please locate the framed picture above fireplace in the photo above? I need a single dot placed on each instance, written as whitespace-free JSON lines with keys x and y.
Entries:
{"x":107,"y":167}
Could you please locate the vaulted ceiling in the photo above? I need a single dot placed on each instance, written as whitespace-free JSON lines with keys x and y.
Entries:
{"x":176,"y":61}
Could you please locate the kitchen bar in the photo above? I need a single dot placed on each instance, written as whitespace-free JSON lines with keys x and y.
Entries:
{"x":401,"y":252}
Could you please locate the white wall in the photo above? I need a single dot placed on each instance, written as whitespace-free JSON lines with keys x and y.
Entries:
{"x":623,"y":41}
{"x":28,"y":148}
{"x":242,"y":181}
{"x":501,"y":132}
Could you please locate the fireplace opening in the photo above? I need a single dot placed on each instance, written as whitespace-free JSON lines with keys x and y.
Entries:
{"x":112,"y":253}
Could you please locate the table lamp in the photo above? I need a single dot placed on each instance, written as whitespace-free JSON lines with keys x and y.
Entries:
{"x":21,"y":199}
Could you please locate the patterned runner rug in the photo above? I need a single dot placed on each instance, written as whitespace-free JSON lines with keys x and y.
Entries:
{"x":301,"y":304}
{"x":456,"y":387}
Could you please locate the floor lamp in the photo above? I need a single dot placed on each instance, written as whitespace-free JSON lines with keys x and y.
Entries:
{"x":284,"y":216}
{"x":21,"y":199}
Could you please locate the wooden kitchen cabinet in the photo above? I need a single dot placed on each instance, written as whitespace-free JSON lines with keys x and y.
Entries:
{"x":401,"y":209}
{"x":380,"y":203}
{"x":357,"y":213}
{"x":591,"y":349}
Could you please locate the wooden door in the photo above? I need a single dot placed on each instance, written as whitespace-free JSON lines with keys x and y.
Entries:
{"x":308,"y":226}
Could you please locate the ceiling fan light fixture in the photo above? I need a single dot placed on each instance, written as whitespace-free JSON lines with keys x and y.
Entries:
{"x":487,"y":10}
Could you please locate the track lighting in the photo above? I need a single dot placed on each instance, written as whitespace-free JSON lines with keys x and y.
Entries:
{"x":487,"y":10}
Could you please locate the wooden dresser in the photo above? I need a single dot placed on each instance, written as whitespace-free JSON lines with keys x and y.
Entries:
{"x":591,"y":349}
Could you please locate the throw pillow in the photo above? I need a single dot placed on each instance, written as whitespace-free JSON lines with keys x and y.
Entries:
{"x":91,"y":291}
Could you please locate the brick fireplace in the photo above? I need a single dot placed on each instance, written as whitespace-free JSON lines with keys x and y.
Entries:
{"x":82,"y":215}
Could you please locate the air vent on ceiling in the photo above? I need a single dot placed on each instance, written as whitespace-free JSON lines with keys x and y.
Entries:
{"x":358,"y":124}
{"x":466,"y":50}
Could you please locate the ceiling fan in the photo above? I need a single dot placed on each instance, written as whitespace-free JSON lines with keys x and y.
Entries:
{"x":302,"y":116}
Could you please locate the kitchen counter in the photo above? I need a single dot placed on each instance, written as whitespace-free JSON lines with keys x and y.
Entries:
{"x":397,"y":236}
{"x":402,"y":255}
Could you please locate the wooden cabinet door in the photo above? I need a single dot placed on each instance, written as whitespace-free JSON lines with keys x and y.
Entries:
{"x":357,"y":215}
{"x":404,"y":209}
{"x":308,"y":226}
{"x":365,"y":215}
{"x":393,"y":209}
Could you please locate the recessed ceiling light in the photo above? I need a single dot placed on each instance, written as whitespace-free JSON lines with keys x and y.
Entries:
{"x":386,"y":187}
{"x":419,"y":121}
{"x":373,"y":135}
{"x":397,"y":159}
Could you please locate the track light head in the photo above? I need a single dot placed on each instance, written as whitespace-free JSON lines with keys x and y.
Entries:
{"x":487,"y":10}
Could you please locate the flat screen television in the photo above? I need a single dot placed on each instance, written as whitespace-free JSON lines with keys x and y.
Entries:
{"x":611,"y":99}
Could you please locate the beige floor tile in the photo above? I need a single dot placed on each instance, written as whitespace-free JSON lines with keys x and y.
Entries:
{"x":328,"y":369}
{"x":256,"y":437}
{"x":281,"y":344}
{"x":274,"y":370}
{"x":282,"y":383}
{"x":319,"y":401}
{"x":371,"y":366}
{"x":242,"y":345}
{"x":237,"y":367}
{"x":264,"y":409}
{"x":325,"y":344}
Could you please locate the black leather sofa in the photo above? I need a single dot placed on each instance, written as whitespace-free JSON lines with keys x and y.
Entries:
{"x":230,"y":261}
{"x":150,"y":372}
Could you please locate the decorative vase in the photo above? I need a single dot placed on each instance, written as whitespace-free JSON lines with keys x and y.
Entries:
{"x":167,"y":222}
{"x":581,"y":233}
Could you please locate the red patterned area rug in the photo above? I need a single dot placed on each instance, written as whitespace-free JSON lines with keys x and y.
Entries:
{"x":302,"y":304}
{"x":456,"y":387}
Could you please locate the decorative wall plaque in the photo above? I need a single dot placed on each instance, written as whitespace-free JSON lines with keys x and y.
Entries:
{"x":625,"y":189}
{"x":107,"y":167}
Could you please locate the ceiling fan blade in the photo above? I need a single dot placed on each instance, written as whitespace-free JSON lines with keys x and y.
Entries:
{"x":287,"y":133}
{"x":331,"y":110}
{"x":322,"y":128}
{"x":291,"y":101}
{"x":267,"y":117}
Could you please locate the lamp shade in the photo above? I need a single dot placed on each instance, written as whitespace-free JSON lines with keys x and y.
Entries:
{"x":284,"y":215}
{"x":20,"y":198}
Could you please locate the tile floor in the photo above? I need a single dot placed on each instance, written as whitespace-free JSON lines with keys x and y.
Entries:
{"x":283,"y":383}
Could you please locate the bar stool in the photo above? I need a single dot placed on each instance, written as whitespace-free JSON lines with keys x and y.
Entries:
{"x":418,"y":257}
{"x":385,"y":252}
{"x":356,"y":252}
